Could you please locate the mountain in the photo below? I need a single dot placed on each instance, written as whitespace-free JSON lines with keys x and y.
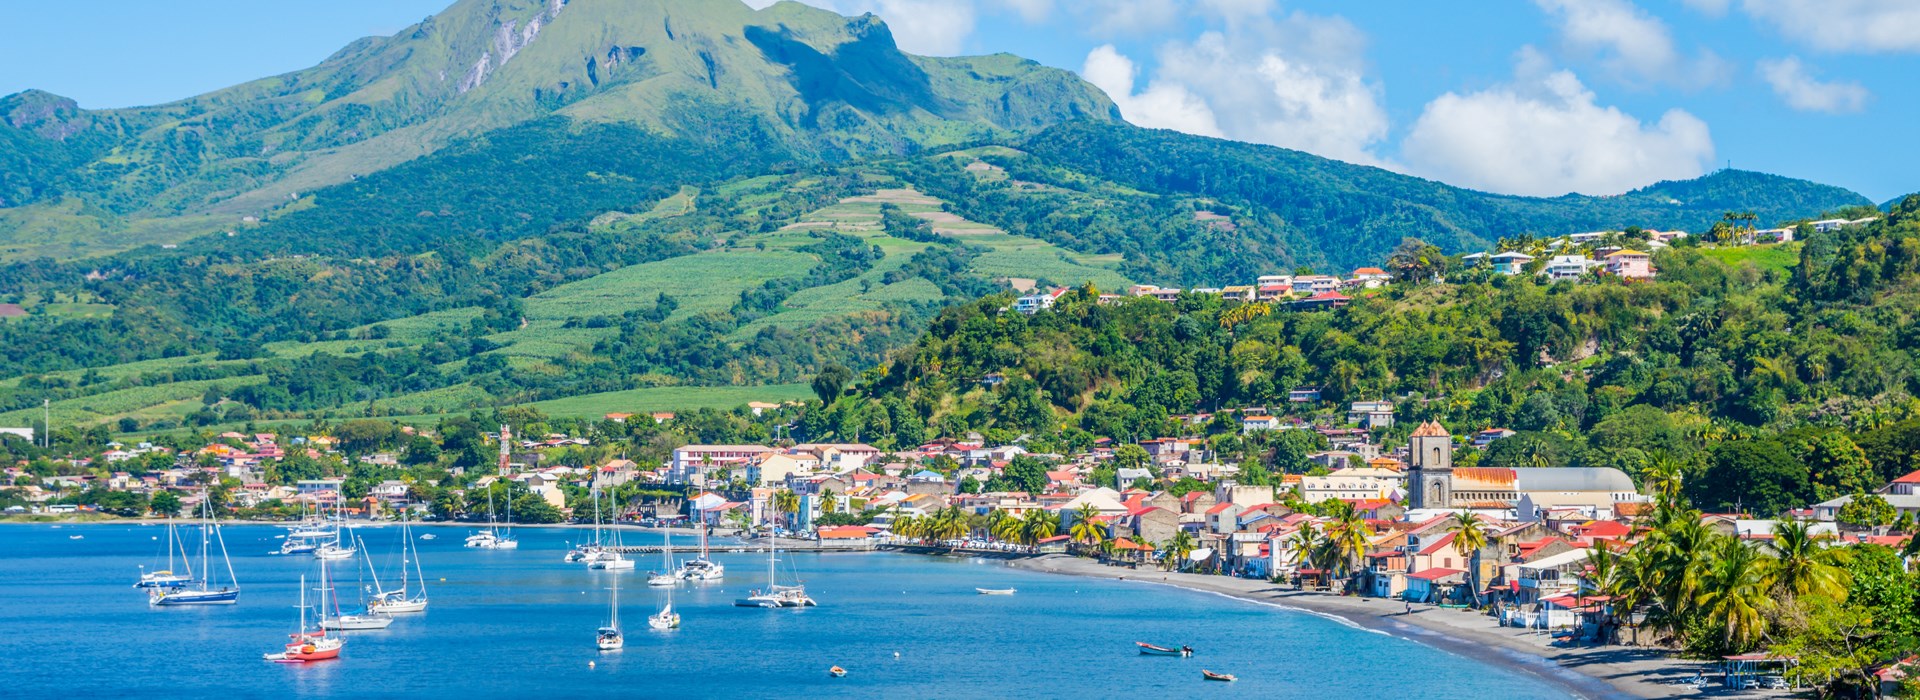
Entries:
{"x":823,"y":86}
{"x":1291,"y":208}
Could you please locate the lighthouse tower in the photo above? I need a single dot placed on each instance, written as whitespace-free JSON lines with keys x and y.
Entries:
{"x":506,"y":448}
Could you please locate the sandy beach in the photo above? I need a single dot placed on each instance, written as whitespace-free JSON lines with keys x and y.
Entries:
{"x":1589,"y":672}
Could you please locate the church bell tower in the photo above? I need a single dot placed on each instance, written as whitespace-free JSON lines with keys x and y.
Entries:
{"x":1430,"y":478}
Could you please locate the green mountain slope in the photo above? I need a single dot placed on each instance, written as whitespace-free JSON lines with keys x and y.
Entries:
{"x":1290,"y":207}
{"x":820,"y":85}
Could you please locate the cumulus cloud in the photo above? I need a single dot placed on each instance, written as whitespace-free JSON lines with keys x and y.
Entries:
{"x":1543,"y":134}
{"x":1632,"y":45}
{"x":1802,"y":91}
{"x":1162,"y":105}
{"x":1843,"y":25}
{"x":1295,"y":81}
{"x":1033,"y":11}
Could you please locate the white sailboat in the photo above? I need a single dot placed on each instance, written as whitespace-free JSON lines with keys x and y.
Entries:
{"x":202,"y":591}
{"x":702,"y":568}
{"x":493,"y":537}
{"x":590,"y":552}
{"x":336,"y":547}
{"x":666,"y":619}
{"x":165,"y":578}
{"x":337,"y":621}
{"x":401,"y":600}
{"x":776,"y":595}
{"x":666,"y":576}
{"x":608,"y":637}
{"x":305,"y":536}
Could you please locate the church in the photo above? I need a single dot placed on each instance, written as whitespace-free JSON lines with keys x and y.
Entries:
{"x":1433,"y":482}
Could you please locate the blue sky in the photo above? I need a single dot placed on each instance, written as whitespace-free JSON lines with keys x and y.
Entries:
{"x":1533,"y":97}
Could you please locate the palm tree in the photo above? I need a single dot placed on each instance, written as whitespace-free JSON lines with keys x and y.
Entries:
{"x":1107,"y":548}
{"x":1801,"y":564}
{"x":786,"y":501}
{"x":907,"y":526}
{"x":1470,"y":535}
{"x":1177,"y":548}
{"x":1733,"y":594}
{"x":1038,"y":525}
{"x":1085,"y":529}
{"x":1349,"y":536}
{"x":1306,"y":543}
{"x":1003,"y":526}
{"x":828,"y":504}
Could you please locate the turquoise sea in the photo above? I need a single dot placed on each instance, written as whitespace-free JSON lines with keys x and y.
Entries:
{"x":520,"y":624}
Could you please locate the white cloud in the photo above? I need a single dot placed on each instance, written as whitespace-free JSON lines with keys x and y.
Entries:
{"x":1544,"y":135}
{"x":1119,"y":17}
{"x":1844,"y":25}
{"x":1295,"y":81}
{"x":1800,"y":90}
{"x":1633,"y":46}
{"x":1161,"y":106}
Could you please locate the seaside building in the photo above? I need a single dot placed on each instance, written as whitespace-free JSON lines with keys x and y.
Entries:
{"x":1434,"y":483}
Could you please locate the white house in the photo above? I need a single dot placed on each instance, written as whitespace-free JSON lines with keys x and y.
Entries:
{"x":1567,"y":267}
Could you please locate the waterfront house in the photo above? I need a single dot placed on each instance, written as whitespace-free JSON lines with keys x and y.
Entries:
{"x":1433,"y":585}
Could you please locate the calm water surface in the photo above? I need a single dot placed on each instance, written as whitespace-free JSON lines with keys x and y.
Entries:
{"x":520,"y":624}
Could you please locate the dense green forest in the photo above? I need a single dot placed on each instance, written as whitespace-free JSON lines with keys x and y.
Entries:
{"x":1772,"y":390}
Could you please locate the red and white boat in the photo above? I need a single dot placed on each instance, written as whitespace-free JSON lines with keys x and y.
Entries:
{"x":309,"y":644}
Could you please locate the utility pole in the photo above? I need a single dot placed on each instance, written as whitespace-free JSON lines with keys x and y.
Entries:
{"x":46,"y":422}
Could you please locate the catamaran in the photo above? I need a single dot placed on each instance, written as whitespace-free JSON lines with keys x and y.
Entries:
{"x":493,"y":537}
{"x":309,"y":645}
{"x":776,"y":595}
{"x":400,"y":600}
{"x":608,"y":638}
{"x":702,"y":568}
{"x":202,"y":591}
{"x":165,"y":578}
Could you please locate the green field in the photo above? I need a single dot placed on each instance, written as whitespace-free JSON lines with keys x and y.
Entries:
{"x":1778,"y":258}
{"x":709,"y":281}
{"x":671,"y":398}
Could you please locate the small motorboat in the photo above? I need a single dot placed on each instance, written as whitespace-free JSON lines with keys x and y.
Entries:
{"x":1152,"y":650}
{"x":1209,"y":675}
{"x":429,"y":536}
{"x":837,"y":672}
{"x":76,"y":537}
{"x":994,"y":591}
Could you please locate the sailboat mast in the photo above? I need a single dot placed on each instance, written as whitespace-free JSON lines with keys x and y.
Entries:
{"x":303,"y":604}
{"x":224,"y":557}
{"x":206,"y":511}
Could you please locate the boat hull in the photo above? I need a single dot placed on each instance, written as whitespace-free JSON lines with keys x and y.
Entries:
{"x":401,"y":606}
{"x":172,"y":597}
{"x":356,"y":622}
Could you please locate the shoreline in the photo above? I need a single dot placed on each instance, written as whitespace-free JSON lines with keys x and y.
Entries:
{"x":1588,"y":672}
{"x":357,"y":524}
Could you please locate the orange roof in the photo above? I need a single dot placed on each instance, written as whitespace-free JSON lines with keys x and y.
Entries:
{"x":1430,"y":429}
{"x":1369,"y":271}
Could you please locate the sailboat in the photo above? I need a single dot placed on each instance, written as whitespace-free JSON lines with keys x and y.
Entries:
{"x":702,"y":568}
{"x":776,"y":595}
{"x":666,"y":619}
{"x":304,"y":537}
{"x":666,"y":576}
{"x":399,"y":600}
{"x":309,"y":645}
{"x":335,"y":547}
{"x":608,"y":638}
{"x":335,"y":620}
{"x":608,"y":557}
{"x":590,"y":552}
{"x":165,"y":578}
{"x":493,"y":537}
{"x":202,"y":592}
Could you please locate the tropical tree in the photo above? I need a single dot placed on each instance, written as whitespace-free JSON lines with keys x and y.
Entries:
{"x":1733,"y":594}
{"x":1038,"y":524}
{"x":1004,"y":526}
{"x":1348,"y":535}
{"x":788,"y":502}
{"x":1470,"y":536}
{"x":909,"y":527}
{"x":1801,"y":564}
{"x":1086,"y":530}
{"x":1176,"y":549}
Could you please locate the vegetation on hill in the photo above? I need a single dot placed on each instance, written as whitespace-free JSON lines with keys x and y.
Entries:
{"x":1768,"y":391}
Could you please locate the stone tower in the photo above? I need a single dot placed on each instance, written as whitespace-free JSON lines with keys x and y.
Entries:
{"x":506,"y":450}
{"x":1430,"y":477}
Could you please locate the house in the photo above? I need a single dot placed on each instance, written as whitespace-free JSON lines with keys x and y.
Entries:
{"x":1272,"y":292}
{"x":1241,"y":292}
{"x":1908,"y":485}
{"x":1630,"y":264}
{"x":661,"y":416}
{"x":1152,"y":524}
{"x":699,"y":460}
{"x":1352,"y":484}
{"x":1034,"y":303}
{"x":1321,"y":301}
{"x":1486,"y":437}
{"x":1315,"y":284}
{"x":1282,"y":280}
{"x":1567,"y":267}
{"x":1830,"y":510}
{"x":759,"y":407}
{"x":619,"y":417}
{"x":1254,"y":424}
{"x":1371,"y":414}
{"x":1368,"y":278}
{"x":1550,"y":576}
{"x":1305,"y":394}
{"x":1433,"y":585}
{"x":1511,"y":262}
